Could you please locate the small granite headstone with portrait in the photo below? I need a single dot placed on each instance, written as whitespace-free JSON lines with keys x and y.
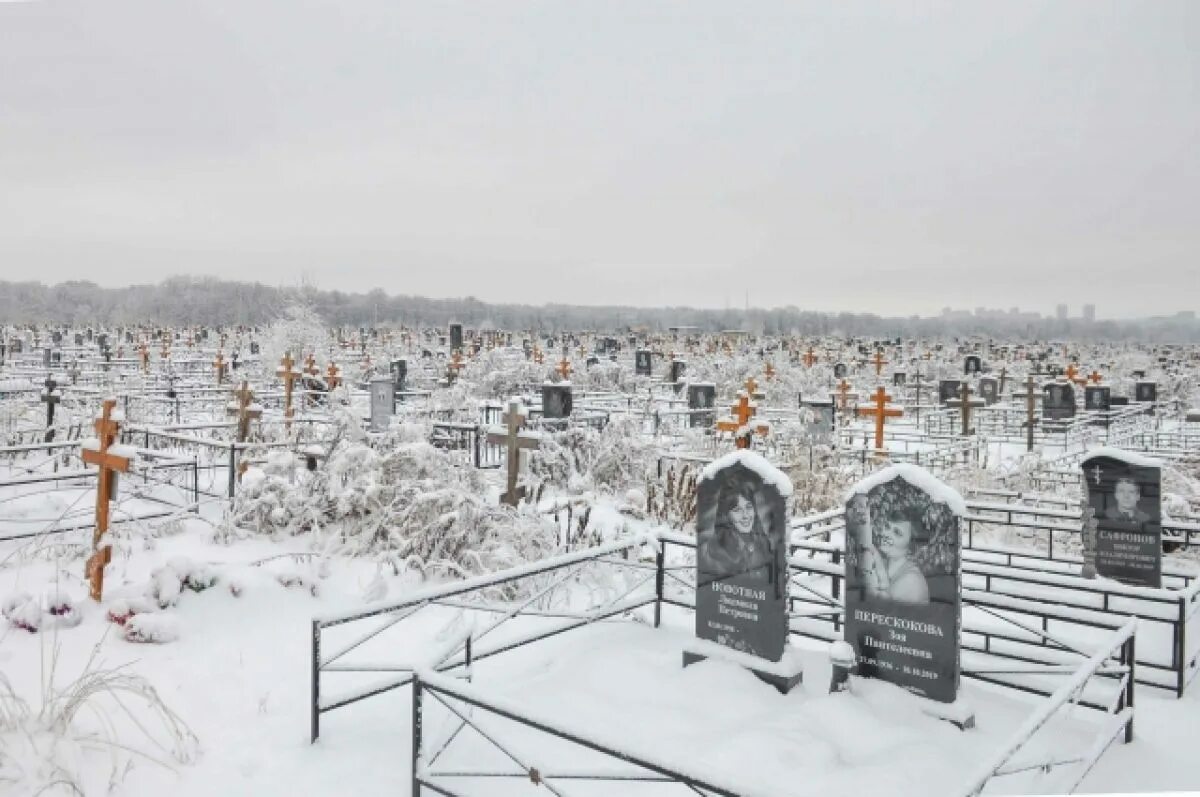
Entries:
{"x":642,"y":362}
{"x":899,"y":378}
{"x":820,"y":428}
{"x":989,"y":390}
{"x":903,"y":579}
{"x":1123,"y":515}
{"x":701,"y":396}
{"x":1145,"y":392}
{"x":1097,"y":398}
{"x":1058,"y":401}
{"x":677,"y":369}
{"x":456,"y":337}
{"x":556,"y":400}
{"x":972,"y":365}
{"x":839,"y":370}
{"x":948,"y":390}
{"x":741,"y":567}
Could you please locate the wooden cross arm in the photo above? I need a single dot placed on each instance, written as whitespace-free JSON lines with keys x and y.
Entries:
{"x":523,"y":440}
{"x":104,"y":459}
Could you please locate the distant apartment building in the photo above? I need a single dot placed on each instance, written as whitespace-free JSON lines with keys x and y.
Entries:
{"x":1089,"y":312}
{"x":1060,"y":312}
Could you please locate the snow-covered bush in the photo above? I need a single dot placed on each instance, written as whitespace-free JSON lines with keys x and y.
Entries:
{"x":298,"y":331}
{"x":582,"y":459}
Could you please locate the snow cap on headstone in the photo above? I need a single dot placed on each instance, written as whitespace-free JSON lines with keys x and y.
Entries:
{"x":754,"y":462}
{"x":1121,"y":455}
{"x":918,"y":477}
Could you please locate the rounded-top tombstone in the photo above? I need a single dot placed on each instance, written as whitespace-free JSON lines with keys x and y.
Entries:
{"x":741,"y":561}
{"x":903,"y":579}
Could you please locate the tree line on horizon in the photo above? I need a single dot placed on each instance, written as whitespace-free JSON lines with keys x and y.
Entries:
{"x":212,"y":302}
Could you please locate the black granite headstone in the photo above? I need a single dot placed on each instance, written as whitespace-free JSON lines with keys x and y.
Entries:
{"x":456,"y":337}
{"x":972,"y":364}
{"x":701,"y":396}
{"x":741,"y":555}
{"x":989,"y":390}
{"x":839,"y":370}
{"x":1125,"y":513}
{"x":556,"y":400}
{"x":642,"y":363}
{"x":903,"y":600}
{"x":899,"y":378}
{"x":1058,"y":401}
{"x":677,"y":369}
{"x":1145,"y":391}
{"x":948,"y":390}
{"x":1097,"y":398}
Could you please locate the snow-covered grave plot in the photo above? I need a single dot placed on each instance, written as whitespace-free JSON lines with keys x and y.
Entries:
{"x":268,"y":486}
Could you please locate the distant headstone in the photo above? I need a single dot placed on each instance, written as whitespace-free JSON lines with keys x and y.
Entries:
{"x":903,"y":600}
{"x":989,"y":390}
{"x":701,"y":396}
{"x":399,"y":371}
{"x":741,"y":558}
{"x":677,"y":369}
{"x":839,"y":370}
{"x":383,"y":402}
{"x":591,"y":361}
{"x":899,"y":378}
{"x":1097,"y":398}
{"x":642,"y":362}
{"x":456,"y":337}
{"x":78,"y":338}
{"x":255,"y":348}
{"x":821,"y":427}
{"x":1123,"y":516}
{"x":1058,"y":401}
{"x":556,"y":400}
{"x":948,"y":390}
{"x":972,"y":365}
{"x":1145,"y":391}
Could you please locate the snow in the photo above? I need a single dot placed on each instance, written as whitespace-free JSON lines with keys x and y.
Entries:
{"x":918,"y":477}
{"x":1121,"y":455}
{"x":754,"y":462}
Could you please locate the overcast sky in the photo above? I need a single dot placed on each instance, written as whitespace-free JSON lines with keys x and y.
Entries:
{"x":834,"y":156}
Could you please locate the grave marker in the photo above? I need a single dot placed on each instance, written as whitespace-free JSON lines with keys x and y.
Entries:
{"x":1123,"y":515}
{"x":383,"y":402}
{"x":903,"y":601}
{"x":110,"y":459}
{"x":881,"y":413}
{"x":741,"y":566}
{"x":513,"y":439}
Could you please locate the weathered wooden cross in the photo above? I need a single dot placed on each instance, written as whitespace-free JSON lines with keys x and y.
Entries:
{"x":514,"y":440}
{"x":287,"y":372}
{"x":843,"y":390}
{"x":310,"y":365}
{"x":739,"y":422}
{"x":333,"y":375}
{"x":1095,"y":378}
{"x":810,"y":357}
{"x":219,"y":365}
{"x":243,"y":410}
{"x":964,"y":404}
{"x":1030,"y":418}
{"x":881,"y":412}
{"x":109,"y":465}
{"x":879,"y":362}
{"x":1071,"y":372}
{"x":144,"y":351}
{"x":769,"y":371}
{"x":564,"y":368}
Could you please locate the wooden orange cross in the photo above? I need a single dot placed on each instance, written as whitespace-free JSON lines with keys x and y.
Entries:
{"x":1095,"y":378}
{"x":109,"y":464}
{"x":843,"y":395}
{"x":537,"y":355}
{"x":1071,"y":373}
{"x":310,"y":365}
{"x":739,"y":422}
{"x":144,"y":351}
{"x":881,"y":412}
{"x":810,"y":357}
{"x":243,"y":410}
{"x":456,"y":362}
{"x":219,"y":365}
{"x":770,"y":371}
{"x":879,"y":362}
{"x":564,"y":368}
{"x":287,"y":372}
{"x":333,"y":375}
{"x":751,"y":387}
{"x":165,"y":353}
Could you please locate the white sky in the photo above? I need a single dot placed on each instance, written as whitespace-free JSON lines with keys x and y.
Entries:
{"x":835,"y":156}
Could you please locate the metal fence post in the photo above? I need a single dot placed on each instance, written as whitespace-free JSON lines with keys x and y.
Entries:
{"x":659,"y":560}
{"x":315,"y":718}
{"x":415,"y":788}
